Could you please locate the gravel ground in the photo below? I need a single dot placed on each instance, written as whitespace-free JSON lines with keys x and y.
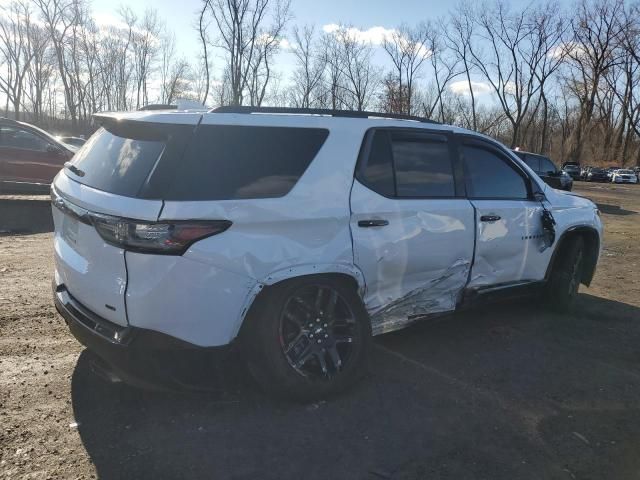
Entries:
{"x":510,"y":391}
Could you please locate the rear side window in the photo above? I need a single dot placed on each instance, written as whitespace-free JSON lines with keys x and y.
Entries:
{"x":423,"y":166}
{"x":377,"y":174}
{"x":408,"y":164}
{"x":226,"y":162}
{"x":491,"y":176}
{"x":117,"y":164}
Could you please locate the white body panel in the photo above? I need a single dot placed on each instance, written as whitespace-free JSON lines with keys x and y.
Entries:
{"x":510,"y":249}
{"x":93,"y":271}
{"x":418,"y":264}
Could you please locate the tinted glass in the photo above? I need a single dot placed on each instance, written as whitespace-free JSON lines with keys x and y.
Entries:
{"x":490,"y":176}
{"x":423,"y":167}
{"x":116,"y":164}
{"x":531,"y":160}
{"x":547,"y":165}
{"x":377,"y":173}
{"x":233,"y":162}
{"x":12,"y":137}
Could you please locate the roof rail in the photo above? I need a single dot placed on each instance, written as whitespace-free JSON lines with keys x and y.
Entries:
{"x":318,"y":111}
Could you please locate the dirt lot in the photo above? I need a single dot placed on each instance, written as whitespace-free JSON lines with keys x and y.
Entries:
{"x":509,"y":392}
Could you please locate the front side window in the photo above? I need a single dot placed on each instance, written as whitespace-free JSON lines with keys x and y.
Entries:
{"x":491,"y":176}
{"x":13,"y":137}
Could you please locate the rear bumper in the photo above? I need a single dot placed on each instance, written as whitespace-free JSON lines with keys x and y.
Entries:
{"x":142,"y":357}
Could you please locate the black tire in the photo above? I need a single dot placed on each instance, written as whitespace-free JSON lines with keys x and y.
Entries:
{"x":566,"y":275}
{"x":281,"y":333}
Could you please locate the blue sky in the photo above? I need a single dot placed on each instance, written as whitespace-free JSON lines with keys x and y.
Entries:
{"x":180,"y":17}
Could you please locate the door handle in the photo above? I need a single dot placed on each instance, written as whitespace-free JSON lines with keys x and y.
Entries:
{"x":489,"y":218}
{"x":373,"y":223}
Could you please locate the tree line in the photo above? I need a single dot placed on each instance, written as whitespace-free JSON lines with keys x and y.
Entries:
{"x":558,"y":80}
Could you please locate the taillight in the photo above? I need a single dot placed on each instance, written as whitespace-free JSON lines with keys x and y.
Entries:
{"x":165,"y":238}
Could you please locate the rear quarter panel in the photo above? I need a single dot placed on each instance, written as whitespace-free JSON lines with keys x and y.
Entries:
{"x":306,"y":231}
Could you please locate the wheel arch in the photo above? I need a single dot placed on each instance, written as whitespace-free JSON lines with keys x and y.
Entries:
{"x":336,"y":272}
{"x":591,"y":239}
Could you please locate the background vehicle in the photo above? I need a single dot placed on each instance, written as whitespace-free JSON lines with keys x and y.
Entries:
{"x":546,"y":170}
{"x":584,"y":170}
{"x":233,"y":228}
{"x":610,"y":171}
{"x":572,"y":170}
{"x":624,"y":176}
{"x":596,"y":174}
{"x":29,"y":157}
{"x":73,"y":142}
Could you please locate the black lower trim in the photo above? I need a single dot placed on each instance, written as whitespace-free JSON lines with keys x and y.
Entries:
{"x":500,"y":292}
{"x":138,"y":356}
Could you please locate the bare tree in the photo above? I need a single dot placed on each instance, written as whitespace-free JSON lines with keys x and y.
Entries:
{"x":459,"y":38}
{"x":512,"y":66}
{"x":359,"y":74}
{"x":242,"y":28}
{"x":15,"y":25}
{"x":406,"y":48}
{"x":177,"y":83}
{"x":445,"y":66}
{"x":145,"y":49}
{"x":597,"y":31}
{"x":310,"y":68}
{"x":60,"y":17}
{"x":332,"y":87}
{"x":203,"y":26}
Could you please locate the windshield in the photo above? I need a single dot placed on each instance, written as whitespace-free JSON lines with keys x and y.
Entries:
{"x":572,"y":168}
{"x":626,"y":172}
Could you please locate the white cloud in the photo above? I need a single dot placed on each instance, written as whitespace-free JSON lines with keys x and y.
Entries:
{"x":283,"y":43}
{"x":111,"y":26}
{"x":461,"y":87}
{"x":106,"y":20}
{"x":373,"y":35}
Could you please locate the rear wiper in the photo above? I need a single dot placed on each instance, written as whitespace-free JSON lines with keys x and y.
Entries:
{"x":74,"y":169}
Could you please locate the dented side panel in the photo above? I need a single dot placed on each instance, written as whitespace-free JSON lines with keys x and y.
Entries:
{"x":416,"y":265}
{"x":512,"y":248}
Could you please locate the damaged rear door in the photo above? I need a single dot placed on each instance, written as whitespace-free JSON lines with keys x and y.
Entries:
{"x":412,"y":227}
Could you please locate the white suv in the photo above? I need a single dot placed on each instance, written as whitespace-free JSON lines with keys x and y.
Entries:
{"x":297,"y":235}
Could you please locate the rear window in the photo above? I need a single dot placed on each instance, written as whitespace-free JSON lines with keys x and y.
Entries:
{"x":226,"y":162}
{"x":117,"y":164}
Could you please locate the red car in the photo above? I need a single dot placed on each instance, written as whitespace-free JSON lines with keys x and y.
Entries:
{"x":29,"y":157}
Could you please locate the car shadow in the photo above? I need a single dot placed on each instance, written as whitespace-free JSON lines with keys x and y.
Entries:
{"x":508,"y":391}
{"x":614,"y":209}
